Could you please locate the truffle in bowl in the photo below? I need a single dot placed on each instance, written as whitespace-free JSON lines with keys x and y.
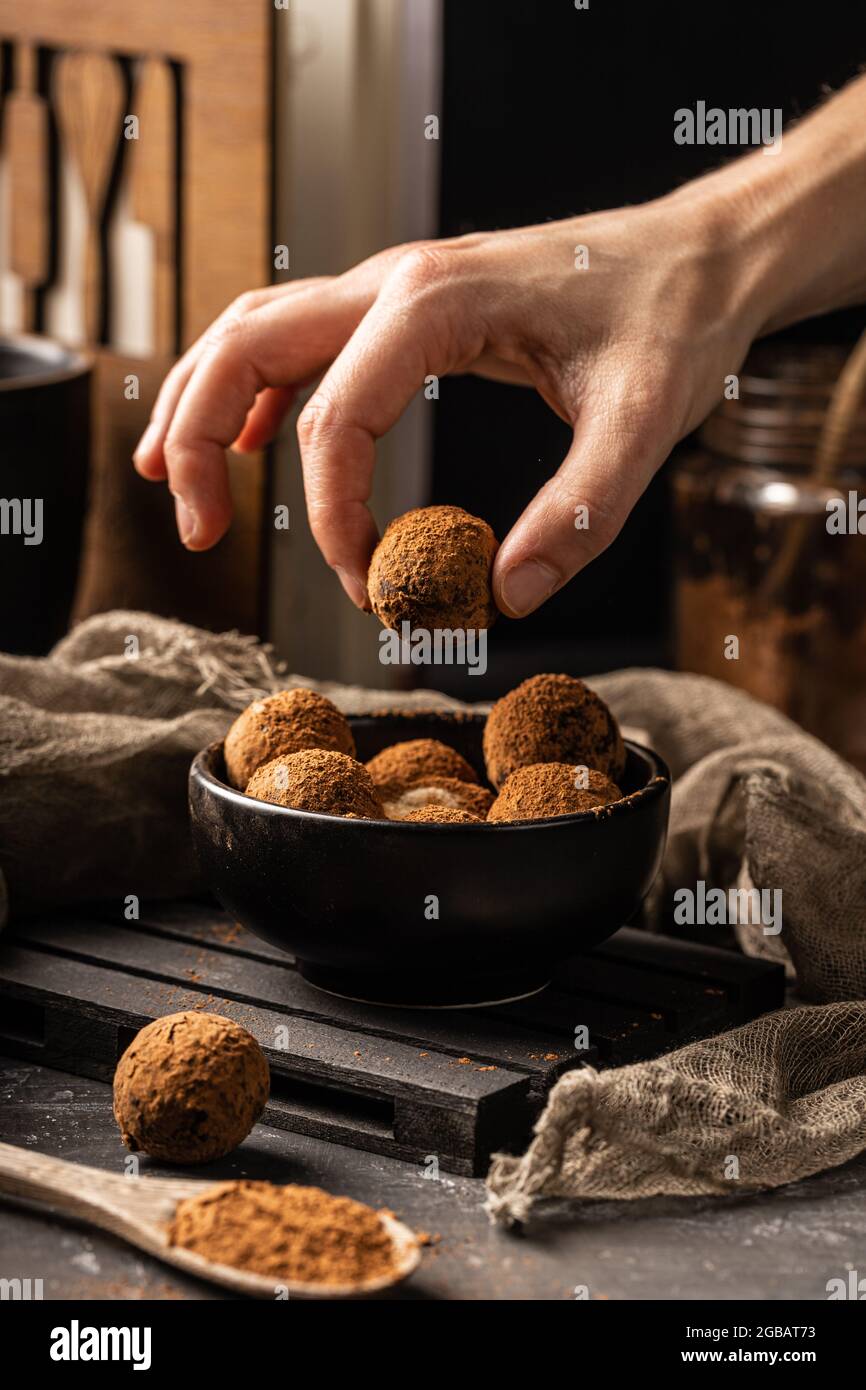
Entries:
{"x":428,"y":913}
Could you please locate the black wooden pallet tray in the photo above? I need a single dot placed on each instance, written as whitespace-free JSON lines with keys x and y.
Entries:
{"x":452,"y":1085}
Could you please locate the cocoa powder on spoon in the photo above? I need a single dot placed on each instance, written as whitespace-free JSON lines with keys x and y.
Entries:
{"x":290,"y":1234}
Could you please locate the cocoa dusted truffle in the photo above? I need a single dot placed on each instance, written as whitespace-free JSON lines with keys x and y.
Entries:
{"x":444,"y":815}
{"x":551,"y":719}
{"x":189,"y":1088}
{"x":431,"y":569}
{"x":317,"y":780}
{"x":284,"y":723}
{"x":406,"y":764}
{"x":440,"y":791}
{"x":545,"y":790}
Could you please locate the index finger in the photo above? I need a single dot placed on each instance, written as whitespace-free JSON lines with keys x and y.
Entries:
{"x":408,"y":334}
{"x":281,"y":343}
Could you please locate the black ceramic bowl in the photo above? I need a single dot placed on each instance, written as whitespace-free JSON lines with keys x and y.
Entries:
{"x":436,"y":915}
{"x":45,"y":433}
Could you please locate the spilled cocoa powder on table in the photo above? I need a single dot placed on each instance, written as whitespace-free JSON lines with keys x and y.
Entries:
{"x":289,"y":1234}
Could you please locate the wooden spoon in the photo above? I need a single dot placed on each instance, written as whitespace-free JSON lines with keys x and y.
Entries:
{"x":139,"y":1211}
{"x":89,"y":95}
{"x":27,"y":145}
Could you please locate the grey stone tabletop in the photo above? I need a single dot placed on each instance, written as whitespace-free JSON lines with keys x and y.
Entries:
{"x":780,"y":1245}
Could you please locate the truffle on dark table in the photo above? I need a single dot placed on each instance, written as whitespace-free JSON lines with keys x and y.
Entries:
{"x":431,"y":569}
{"x":189,"y":1088}
{"x":552,"y":719}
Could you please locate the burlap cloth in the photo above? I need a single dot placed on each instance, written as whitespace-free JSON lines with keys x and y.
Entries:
{"x":95,"y":744}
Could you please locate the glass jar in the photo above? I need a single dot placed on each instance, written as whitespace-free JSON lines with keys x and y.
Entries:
{"x":760,"y":559}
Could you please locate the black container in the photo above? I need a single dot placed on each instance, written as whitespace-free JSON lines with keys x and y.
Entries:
{"x":353,"y":899}
{"x":44,"y":459}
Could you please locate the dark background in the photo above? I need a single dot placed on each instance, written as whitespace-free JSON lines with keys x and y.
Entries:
{"x":547,"y":112}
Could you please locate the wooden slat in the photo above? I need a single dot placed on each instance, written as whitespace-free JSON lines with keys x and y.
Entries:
{"x":620,"y":1034}
{"x":89,"y":93}
{"x":408,"y":1082}
{"x":427,"y":1104}
{"x":279,"y":987}
{"x":672,"y":1001}
{"x":197,"y":921}
{"x":637,"y":993}
{"x":751,"y":986}
{"x":152,"y":177}
{"x":27,"y":146}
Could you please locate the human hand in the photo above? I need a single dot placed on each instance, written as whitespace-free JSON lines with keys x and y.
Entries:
{"x":631,"y":351}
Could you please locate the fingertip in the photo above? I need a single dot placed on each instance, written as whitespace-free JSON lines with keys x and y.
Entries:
{"x":188,"y":525}
{"x":355,"y":587}
{"x":524,"y":586}
{"x":264,"y":418}
{"x":147,"y":456}
{"x":150,"y":464}
{"x":250,"y":439}
{"x":153,"y":470}
{"x":195,"y":545}
{"x":196,"y":536}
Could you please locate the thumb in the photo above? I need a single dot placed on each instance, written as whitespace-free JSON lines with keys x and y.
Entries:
{"x":578,"y":512}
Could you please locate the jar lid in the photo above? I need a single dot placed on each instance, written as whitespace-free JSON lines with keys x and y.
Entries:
{"x":784,"y":394}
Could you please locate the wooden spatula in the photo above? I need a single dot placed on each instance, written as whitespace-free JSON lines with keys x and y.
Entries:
{"x":89,"y":97}
{"x":140,"y":1209}
{"x":27,"y":146}
{"x":152,"y":188}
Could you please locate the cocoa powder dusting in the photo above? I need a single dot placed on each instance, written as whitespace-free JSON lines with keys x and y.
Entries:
{"x":441,"y":791}
{"x":546,"y":790}
{"x":443,"y":815}
{"x":551,"y":719}
{"x":190,"y":1087}
{"x":406,"y":764}
{"x":287,"y":722}
{"x":289,"y":1234}
{"x":432,"y":569}
{"x":316,"y":780}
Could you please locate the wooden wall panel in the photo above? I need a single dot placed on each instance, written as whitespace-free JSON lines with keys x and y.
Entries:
{"x":221,"y":53}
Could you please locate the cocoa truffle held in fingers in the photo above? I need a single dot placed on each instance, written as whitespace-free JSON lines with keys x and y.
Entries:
{"x":317,"y":780}
{"x":431,"y":569}
{"x":545,"y":790}
{"x":406,"y":764}
{"x":552,"y":719}
{"x":280,"y":724}
{"x":189,"y":1088}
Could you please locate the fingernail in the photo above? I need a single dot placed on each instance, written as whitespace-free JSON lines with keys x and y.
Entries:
{"x":526,"y":586}
{"x":354,"y":588}
{"x":147,"y":441}
{"x":186,"y":520}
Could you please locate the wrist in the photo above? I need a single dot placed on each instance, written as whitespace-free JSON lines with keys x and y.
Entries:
{"x":791,"y":225}
{"x":731,"y":221}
